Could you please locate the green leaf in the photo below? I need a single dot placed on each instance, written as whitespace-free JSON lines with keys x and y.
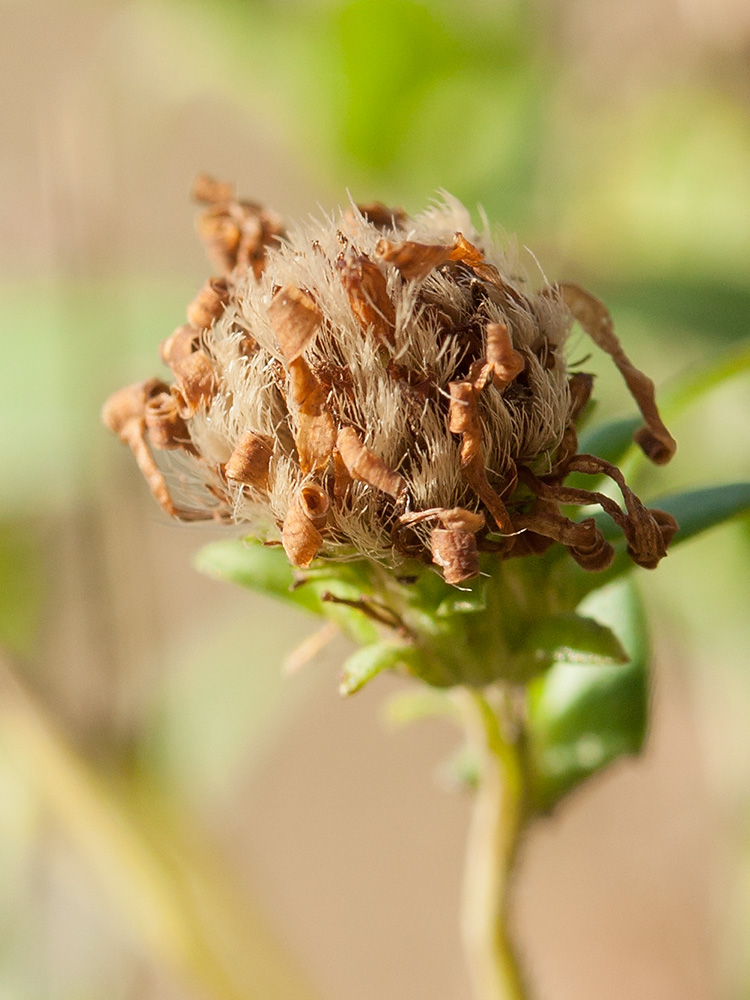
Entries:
{"x":369,"y":661}
{"x":609,"y":441}
{"x":572,"y":638}
{"x":266,"y":570}
{"x":582,"y":717}
{"x":258,"y":567}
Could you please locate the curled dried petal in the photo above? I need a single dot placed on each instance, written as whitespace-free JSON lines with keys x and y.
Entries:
{"x":464,"y":420}
{"x":166,"y":428}
{"x":367,"y":290}
{"x":365,"y":466}
{"x":655,"y":440}
{"x":452,"y":518}
{"x":413,"y":260}
{"x":455,"y":551}
{"x":250,"y":460}
{"x":301,"y":535}
{"x":208,"y":304}
{"x":295,"y":320}
{"x":316,"y":431}
{"x":184,"y":341}
{"x":378,"y":214}
{"x":195,"y":382}
{"x":582,"y":539}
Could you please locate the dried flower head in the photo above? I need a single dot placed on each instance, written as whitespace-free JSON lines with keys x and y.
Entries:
{"x":382,"y":386}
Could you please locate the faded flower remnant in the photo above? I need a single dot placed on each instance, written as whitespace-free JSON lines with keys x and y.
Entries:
{"x":382,"y":386}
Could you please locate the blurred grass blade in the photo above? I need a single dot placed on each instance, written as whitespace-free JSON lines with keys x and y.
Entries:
{"x":583,"y":717}
{"x":694,"y":385}
{"x":189,"y":916}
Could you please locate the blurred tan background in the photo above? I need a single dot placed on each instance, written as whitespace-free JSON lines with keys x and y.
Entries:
{"x":178,"y":819}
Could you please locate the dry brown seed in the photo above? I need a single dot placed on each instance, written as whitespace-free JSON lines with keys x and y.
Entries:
{"x":367,"y":290}
{"x":655,"y":440}
{"x":180,"y":344}
{"x":250,"y":460}
{"x":455,"y":551}
{"x":208,"y":304}
{"x":365,"y":466}
{"x":295,"y":320}
{"x":301,"y":534}
{"x":195,"y":381}
{"x":316,"y":431}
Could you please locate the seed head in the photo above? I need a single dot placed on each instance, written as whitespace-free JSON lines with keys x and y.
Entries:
{"x":382,"y":386}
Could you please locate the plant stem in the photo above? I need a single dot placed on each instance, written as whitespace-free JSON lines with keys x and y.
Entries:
{"x":493,"y":841}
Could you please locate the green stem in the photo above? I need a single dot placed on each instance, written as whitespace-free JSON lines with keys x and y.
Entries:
{"x":493,"y":842}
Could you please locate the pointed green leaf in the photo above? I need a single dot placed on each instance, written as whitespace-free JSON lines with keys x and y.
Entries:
{"x":369,"y":661}
{"x":609,"y":441}
{"x":266,"y":570}
{"x":582,"y":717}
{"x":572,"y":638}
{"x":258,"y":567}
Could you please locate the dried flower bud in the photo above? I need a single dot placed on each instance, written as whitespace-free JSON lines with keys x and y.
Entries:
{"x":413,"y":394}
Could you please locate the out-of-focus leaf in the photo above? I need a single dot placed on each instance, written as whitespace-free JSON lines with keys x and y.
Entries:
{"x":259,"y":567}
{"x":369,"y":661}
{"x":266,"y":569}
{"x":609,"y":441}
{"x":418,"y":703}
{"x":584,"y":716}
{"x":571,"y":638}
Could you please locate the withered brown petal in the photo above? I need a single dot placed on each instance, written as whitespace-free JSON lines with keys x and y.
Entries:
{"x":452,"y":518}
{"x":465,"y":420}
{"x":378,"y":214}
{"x":166,"y":428}
{"x":456,"y":552}
{"x":208,"y":304}
{"x":182,"y":342}
{"x":367,"y":290}
{"x":365,"y":466}
{"x":195,"y":381}
{"x":301,"y":534}
{"x":316,"y":431}
{"x":655,"y":440}
{"x":250,"y":460}
{"x":295,"y":320}
{"x":506,"y":362}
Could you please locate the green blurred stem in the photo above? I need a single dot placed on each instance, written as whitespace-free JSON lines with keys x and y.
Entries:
{"x":496,"y":827}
